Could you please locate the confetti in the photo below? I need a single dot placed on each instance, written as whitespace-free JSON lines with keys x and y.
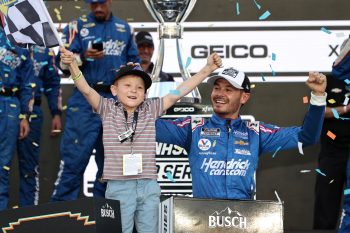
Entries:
{"x":346,"y":191}
{"x":273,"y":57}
{"x":265,"y":15}
{"x":346,"y":101}
{"x":100,"y":83}
{"x":319,"y":171}
{"x":170,"y":177}
{"x":331,"y":181}
{"x":257,"y":5}
{"x":331,"y":101}
{"x":300,"y":148}
{"x":274,"y":154}
{"x":325,"y":30}
{"x":273,"y":72}
{"x":347,"y":81}
{"x":331,"y":135}
{"x":64,"y":107}
{"x":262,"y":77}
{"x":6,"y":168}
{"x":35,"y":144}
{"x":305,"y":99}
{"x":237,"y":8}
{"x":13,"y":105}
{"x":278,"y":198}
{"x":175,"y":92}
{"x":252,"y":86}
{"x":335,"y":113}
{"x":305,"y":171}
{"x":89,"y":59}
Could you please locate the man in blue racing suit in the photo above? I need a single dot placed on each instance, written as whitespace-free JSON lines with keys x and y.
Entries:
{"x":101,"y":42}
{"x":224,"y":150}
{"x":47,"y":82}
{"x":16,"y":95}
{"x":341,"y":70}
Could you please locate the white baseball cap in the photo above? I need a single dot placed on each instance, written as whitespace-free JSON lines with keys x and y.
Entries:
{"x":236,"y":78}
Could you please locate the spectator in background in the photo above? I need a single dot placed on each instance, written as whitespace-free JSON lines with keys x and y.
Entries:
{"x":101,"y":43}
{"x":341,"y":71}
{"x":333,"y":157}
{"x":16,"y":95}
{"x":47,"y":81}
{"x":145,"y":46}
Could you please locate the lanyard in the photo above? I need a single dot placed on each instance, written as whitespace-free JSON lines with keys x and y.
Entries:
{"x":133,"y":126}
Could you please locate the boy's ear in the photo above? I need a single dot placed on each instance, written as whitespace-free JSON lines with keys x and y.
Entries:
{"x":113,"y":90}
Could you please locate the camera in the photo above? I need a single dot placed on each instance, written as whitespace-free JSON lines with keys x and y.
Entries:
{"x":98,"y":46}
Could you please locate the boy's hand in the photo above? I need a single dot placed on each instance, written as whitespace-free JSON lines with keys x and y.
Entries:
{"x":317,"y":83}
{"x":67,"y":57}
{"x":214,"y":61}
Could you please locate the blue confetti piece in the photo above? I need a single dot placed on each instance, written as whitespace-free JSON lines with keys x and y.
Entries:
{"x":257,"y":5}
{"x":262,"y":76}
{"x":237,"y":8}
{"x":42,"y":89}
{"x":325,"y":30}
{"x":347,"y":81}
{"x":346,"y":191}
{"x":273,"y":72}
{"x":49,"y":89}
{"x":319,"y":171}
{"x":170,"y":177}
{"x":265,"y":15}
{"x":188,"y":62}
{"x":51,"y":69}
{"x":98,"y":40}
{"x":89,"y":59}
{"x":274,"y":154}
{"x":175,"y":92}
{"x":7,"y":70}
{"x":273,"y":57}
{"x":335,"y":113}
{"x":44,"y":63}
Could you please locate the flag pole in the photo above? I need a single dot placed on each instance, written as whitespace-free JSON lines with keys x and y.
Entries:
{"x":52,"y":25}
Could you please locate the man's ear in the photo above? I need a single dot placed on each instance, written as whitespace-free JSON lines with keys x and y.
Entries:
{"x":245,"y":97}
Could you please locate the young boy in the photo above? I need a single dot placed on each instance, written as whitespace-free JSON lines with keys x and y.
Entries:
{"x":129,"y":137}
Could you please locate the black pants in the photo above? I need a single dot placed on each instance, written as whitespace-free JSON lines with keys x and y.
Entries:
{"x":329,"y":189}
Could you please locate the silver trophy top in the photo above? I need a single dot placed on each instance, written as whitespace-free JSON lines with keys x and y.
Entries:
{"x":170,"y":10}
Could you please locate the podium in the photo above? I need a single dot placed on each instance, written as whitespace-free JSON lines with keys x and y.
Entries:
{"x":87,"y":215}
{"x":190,"y":215}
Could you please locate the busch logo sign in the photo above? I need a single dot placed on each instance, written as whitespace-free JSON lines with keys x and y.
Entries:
{"x":228,"y":219}
{"x":107,"y":211}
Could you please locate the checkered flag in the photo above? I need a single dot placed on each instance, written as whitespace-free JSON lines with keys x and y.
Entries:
{"x":28,"y":22}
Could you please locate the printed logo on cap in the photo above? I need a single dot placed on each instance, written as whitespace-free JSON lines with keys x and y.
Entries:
{"x":231,"y":72}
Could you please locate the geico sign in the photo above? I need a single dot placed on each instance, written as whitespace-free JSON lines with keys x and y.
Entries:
{"x":184,"y":109}
{"x":227,"y":51}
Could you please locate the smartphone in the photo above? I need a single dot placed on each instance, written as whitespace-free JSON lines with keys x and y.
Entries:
{"x":98,"y":46}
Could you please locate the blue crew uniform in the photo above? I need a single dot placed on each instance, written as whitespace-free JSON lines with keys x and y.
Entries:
{"x":223,"y":154}
{"x":83,"y":129}
{"x":16,"y":80}
{"x":341,"y":71}
{"x":47,"y":82}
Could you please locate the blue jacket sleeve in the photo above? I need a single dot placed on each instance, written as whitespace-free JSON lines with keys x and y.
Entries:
{"x":177,"y":132}
{"x":273,"y":138}
{"x":51,"y":84}
{"x":25,"y":73}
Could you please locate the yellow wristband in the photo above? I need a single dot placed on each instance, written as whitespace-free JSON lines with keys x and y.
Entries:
{"x":77,"y":77}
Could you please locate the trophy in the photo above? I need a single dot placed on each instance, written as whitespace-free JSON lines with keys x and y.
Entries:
{"x":170,"y":14}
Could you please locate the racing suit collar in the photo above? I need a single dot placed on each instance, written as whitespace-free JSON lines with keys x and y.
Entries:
{"x":223,"y":121}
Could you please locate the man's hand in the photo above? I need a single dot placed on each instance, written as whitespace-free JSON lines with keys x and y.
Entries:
{"x":23,"y":128}
{"x":93,"y":53}
{"x":317,"y":83}
{"x":214,"y":61}
{"x":56,"y":125}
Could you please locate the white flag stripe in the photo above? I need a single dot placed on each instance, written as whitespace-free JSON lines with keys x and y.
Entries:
{"x":17,"y":18}
{"x":21,"y":38}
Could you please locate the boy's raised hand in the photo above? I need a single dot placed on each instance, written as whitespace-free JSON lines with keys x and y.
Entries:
{"x":67,"y":57}
{"x":317,"y":82}
{"x":214,"y":61}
